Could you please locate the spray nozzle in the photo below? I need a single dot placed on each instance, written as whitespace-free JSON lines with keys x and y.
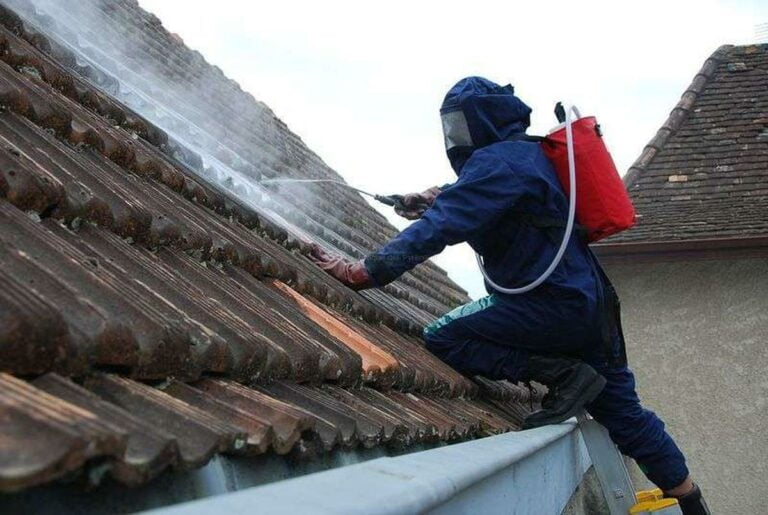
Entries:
{"x":398,"y":202}
{"x":391,"y":200}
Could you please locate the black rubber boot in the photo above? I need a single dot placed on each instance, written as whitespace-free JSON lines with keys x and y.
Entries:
{"x":693,"y":503}
{"x":571,"y":383}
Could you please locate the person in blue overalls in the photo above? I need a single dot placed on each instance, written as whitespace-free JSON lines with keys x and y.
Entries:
{"x":566,"y":333}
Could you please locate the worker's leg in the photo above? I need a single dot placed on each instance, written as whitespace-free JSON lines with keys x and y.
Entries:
{"x":493,"y":337}
{"x":456,"y":338}
{"x":638,"y":432}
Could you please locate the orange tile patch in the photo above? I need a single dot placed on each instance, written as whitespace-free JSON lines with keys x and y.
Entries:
{"x":375,"y":360}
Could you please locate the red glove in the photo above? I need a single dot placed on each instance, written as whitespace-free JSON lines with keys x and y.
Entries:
{"x":353,"y":275}
{"x":417,"y":203}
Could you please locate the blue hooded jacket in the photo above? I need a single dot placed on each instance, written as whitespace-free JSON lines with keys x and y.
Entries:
{"x":499,"y":180}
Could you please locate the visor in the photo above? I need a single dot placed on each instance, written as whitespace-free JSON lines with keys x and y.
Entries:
{"x":455,"y":130}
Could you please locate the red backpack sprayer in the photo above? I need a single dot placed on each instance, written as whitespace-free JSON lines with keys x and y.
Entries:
{"x":603,"y":207}
{"x":597,"y":199}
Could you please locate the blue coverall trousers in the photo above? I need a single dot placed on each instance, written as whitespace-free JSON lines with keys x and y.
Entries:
{"x":494,"y":336}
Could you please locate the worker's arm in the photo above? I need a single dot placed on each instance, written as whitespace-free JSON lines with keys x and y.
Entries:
{"x":486,"y":189}
{"x":352,"y":274}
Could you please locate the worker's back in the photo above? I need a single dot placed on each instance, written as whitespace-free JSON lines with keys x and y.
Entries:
{"x":521,"y":244}
{"x":484,"y":125}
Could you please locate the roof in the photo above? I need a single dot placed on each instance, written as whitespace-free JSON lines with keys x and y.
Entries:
{"x":704,"y":175}
{"x":150,"y":318}
{"x":226,"y":137}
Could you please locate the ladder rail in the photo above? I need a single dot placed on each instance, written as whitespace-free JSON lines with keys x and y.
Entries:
{"x":612,"y":472}
{"x":609,"y":466}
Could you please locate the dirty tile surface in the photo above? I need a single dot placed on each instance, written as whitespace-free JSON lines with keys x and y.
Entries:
{"x":149,"y":317}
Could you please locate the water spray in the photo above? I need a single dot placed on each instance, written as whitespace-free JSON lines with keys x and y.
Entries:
{"x":395,"y":201}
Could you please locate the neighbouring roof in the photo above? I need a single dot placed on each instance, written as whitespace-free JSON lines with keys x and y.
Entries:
{"x":705,"y":174}
{"x":149,"y":317}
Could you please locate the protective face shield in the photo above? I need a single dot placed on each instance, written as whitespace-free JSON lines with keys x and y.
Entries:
{"x":455,"y":130}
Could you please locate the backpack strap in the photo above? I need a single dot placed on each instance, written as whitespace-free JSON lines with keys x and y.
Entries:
{"x":521,"y":136}
{"x":610,"y":308}
{"x":546,"y":223}
{"x":549,"y":224}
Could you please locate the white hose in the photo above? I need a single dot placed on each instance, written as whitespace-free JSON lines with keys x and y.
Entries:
{"x":568,"y":226}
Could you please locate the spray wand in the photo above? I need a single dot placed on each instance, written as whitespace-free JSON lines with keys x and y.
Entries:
{"x":395,"y":201}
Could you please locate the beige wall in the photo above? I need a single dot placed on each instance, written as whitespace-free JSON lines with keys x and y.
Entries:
{"x":697,"y":338}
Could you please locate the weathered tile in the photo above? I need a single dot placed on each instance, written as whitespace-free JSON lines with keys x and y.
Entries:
{"x":260,"y":434}
{"x":149,"y":449}
{"x":43,"y":437}
{"x":287,"y":422}
{"x":335,"y":423}
{"x":419,"y":428}
{"x":392,"y":428}
{"x":199,"y":434}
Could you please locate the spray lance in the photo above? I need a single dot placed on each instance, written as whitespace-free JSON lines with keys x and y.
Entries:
{"x":601,"y":204}
{"x":396,"y":201}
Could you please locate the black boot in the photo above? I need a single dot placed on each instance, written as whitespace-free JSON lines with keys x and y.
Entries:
{"x":693,"y":503}
{"x":572,"y":384}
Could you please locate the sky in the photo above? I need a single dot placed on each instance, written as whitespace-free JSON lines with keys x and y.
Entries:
{"x":361,"y":83}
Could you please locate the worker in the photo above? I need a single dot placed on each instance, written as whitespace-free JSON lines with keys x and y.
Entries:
{"x":566,"y":333}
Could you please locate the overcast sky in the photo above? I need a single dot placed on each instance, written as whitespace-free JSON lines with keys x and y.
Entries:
{"x":361,"y":82}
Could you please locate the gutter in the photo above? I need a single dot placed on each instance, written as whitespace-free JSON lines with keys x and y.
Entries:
{"x":682,"y":250}
{"x":533,"y":471}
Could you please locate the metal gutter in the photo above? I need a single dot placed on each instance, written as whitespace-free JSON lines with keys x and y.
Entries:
{"x":533,"y":471}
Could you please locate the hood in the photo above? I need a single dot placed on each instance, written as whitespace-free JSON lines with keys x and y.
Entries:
{"x":477,"y":112}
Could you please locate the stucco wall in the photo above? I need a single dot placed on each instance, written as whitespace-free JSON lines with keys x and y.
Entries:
{"x":697,"y":338}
